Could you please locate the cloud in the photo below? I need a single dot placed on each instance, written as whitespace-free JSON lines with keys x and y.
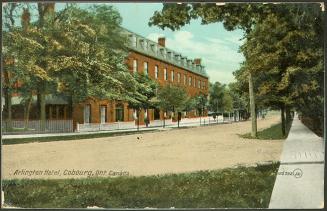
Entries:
{"x":219,"y":55}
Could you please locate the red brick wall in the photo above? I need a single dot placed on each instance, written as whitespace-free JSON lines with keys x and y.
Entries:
{"x":151,"y":65}
{"x":78,"y":109}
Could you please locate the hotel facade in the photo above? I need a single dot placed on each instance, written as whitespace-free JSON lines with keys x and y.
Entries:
{"x":145,"y":56}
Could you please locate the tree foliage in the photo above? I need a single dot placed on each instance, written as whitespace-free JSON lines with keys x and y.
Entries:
{"x":286,"y":63}
{"x":172,"y":98}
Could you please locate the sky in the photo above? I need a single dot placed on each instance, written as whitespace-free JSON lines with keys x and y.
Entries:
{"x":217,"y":47}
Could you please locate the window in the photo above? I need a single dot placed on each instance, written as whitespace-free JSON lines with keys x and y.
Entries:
{"x":199,"y":84}
{"x":184,"y":79}
{"x":54,"y":112}
{"x":156,"y":72}
{"x":165,"y":74}
{"x":119,"y":112}
{"x":145,"y":68}
{"x":87,"y":114}
{"x":103,"y":114}
{"x":194,"y":82}
{"x":190,"y":81}
{"x":134,"y":66}
{"x":204,"y":85}
{"x":61,"y":112}
{"x":172,"y":75}
{"x":178,"y":77}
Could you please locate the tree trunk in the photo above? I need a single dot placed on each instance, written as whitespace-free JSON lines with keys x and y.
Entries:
{"x":9,"y":111}
{"x":282,"y":113}
{"x":27,"y":112}
{"x":252,"y":108}
{"x":288,"y":114}
{"x":42,"y":110}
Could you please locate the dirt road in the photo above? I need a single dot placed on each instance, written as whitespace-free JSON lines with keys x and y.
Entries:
{"x":172,"y":151}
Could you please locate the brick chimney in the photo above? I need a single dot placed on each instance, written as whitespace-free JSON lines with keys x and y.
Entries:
{"x":197,"y":61}
{"x":162,"y":41}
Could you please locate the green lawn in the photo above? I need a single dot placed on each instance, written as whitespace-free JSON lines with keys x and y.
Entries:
{"x":272,"y":133}
{"x":242,"y":187}
{"x":71,"y":137}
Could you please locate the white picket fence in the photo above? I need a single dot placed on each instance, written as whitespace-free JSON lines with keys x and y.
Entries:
{"x":154,"y":123}
{"x":35,"y":126}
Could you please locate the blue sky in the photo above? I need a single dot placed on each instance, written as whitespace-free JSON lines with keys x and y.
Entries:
{"x":217,"y":47}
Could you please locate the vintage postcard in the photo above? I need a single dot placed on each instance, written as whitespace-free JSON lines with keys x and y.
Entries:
{"x":162,"y":105}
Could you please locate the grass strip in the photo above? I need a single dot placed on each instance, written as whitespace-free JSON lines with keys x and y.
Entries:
{"x":241,"y":187}
{"x":272,"y":133}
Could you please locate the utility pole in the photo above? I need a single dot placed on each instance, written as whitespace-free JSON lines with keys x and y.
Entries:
{"x":252,"y":108}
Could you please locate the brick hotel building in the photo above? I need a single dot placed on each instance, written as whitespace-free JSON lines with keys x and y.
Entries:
{"x":154,"y":59}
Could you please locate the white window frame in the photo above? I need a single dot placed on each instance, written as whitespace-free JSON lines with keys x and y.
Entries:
{"x":135,"y":65}
{"x":156,"y":71}
{"x":172,"y":75}
{"x":165,"y":74}
{"x":146,"y":68}
{"x":87,"y":114}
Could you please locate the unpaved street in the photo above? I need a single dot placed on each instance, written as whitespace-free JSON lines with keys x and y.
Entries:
{"x":172,"y":151}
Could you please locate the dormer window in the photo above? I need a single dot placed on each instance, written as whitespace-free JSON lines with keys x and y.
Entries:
{"x":133,"y":40}
{"x":189,"y":63}
{"x":154,"y":48}
{"x":177,"y":57}
{"x":169,"y":55}
{"x":183,"y":61}
{"x":144,"y":44}
{"x":163,"y":52}
{"x":198,"y":67}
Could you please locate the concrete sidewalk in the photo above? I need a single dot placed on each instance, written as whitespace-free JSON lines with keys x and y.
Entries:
{"x":300,"y":179}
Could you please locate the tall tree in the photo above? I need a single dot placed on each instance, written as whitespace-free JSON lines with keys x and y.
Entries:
{"x":172,"y":98}
{"x":216,"y":93}
{"x":297,"y":20}
{"x":77,"y":52}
